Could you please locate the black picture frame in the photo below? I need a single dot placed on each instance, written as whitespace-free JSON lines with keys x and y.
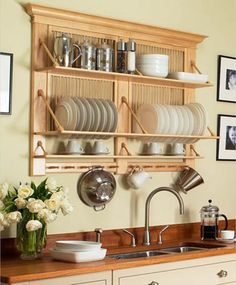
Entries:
{"x":226,"y":79}
{"x":6,"y":71}
{"x":226,"y":130}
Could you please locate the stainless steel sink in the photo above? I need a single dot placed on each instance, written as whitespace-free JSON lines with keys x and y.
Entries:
{"x":184,"y":247}
{"x":139,"y":254}
{"x":181,"y":249}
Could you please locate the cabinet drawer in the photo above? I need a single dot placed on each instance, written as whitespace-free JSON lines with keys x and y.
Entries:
{"x":100,"y":278}
{"x":219,"y":273}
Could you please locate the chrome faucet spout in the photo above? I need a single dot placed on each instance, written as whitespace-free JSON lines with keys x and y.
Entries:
{"x":146,"y":237}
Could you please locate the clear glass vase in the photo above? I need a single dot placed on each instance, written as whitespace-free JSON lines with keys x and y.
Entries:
{"x":30,"y":243}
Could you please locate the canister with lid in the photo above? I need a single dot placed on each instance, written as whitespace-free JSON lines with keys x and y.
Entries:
{"x":104,"y":58}
{"x":88,"y":58}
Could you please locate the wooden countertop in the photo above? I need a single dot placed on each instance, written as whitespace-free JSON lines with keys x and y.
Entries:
{"x":14,"y":270}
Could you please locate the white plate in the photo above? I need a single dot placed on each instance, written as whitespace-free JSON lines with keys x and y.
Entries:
{"x":97,"y":114}
{"x":188,"y":76}
{"x":78,"y":256}
{"x":88,"y":109}
{"x":103,"y":118}
{"x":73,"y":109}
{"x":174,"y":120}
{"x":82,"y":114}
{"x":62,"y":113}
{"x":110,"y":116}
{"x":115,"y":115}
{"x":77,"y":245}
{"x":148,"y":117}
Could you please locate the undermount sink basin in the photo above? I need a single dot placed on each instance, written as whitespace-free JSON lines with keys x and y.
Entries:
{"x":182,"y":249}
{"x":185,"y":247}
{"x":139,"y":254}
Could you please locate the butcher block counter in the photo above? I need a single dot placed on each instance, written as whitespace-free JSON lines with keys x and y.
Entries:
{"x":47,"y":270}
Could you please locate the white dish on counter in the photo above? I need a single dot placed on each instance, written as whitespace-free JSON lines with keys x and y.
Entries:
{"x":226,"y":240}
{"x":188,"y":76}
{"x":79,"y":245}
{"x":78,"y":256}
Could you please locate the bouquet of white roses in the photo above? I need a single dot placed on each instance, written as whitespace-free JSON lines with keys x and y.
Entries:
{"x":32,"y":207}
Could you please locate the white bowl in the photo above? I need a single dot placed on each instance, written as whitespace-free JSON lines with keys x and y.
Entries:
{"x":188,"y":76}
{"x":153,"y":56}
{"x":227,"y":234}
{"x":152,"y":70}
{"x":78,"y":245}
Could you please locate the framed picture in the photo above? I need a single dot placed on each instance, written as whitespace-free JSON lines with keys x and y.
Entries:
{"x":226,"y":145}
{"x":6,"y":62}
{"x":226,"y":83}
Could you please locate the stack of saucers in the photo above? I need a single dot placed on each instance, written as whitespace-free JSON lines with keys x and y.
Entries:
{"x":153,"y":64}
{"x":78,"y":251}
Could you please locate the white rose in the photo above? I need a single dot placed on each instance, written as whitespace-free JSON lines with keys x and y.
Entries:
{"x":25,"y":191}
{"x":20,"y":203}
{"x":13,"y":217}
{"x":51,"y":184}
{"x":53,"y":204}
{"x":1,"y":205}
{"x":47,"y":215}
{"x":60,"y":195}
{"x":33,"y":225}
{"x":66,"y":207}
{"x":3,"y":222}
{"x":3,"y":190}
{"x":35,"y":205}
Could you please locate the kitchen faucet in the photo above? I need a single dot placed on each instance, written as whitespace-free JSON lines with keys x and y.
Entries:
{"x":146,"y":237}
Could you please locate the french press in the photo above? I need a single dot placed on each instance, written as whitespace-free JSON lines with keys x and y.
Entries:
{"x":210,"y":220}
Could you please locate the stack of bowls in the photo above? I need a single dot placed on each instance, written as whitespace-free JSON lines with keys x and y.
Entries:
{"x":153,"y":64}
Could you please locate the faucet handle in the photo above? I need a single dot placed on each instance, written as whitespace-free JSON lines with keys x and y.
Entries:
{"x":98,"y":232}
{"x":132,"y":235}
{"x":160,"y":234}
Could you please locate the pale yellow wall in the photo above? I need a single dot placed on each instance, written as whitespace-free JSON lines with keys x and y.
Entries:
{"x":215,"y":18}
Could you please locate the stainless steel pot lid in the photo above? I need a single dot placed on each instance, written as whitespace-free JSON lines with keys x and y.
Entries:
{"x":96,"y":187}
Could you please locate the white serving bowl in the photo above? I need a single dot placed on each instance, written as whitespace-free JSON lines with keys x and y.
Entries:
{"x":153,"y":56}
{"x":77,"y":245}
{"x":153,"y":70}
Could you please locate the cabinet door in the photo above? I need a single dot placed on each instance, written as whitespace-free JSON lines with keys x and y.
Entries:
{"x":219,"y":273}
{"x":100,"y":278}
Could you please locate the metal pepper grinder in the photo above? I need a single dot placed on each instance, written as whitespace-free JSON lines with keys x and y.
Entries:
{"x":210,"y":221}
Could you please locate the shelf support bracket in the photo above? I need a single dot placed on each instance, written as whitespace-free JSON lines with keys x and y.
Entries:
{"x":192,"y":148}
{"x":41,"y":94}
{"x":124,"y":100}
{"x":42,"y":43}
{"x":124,"y":146}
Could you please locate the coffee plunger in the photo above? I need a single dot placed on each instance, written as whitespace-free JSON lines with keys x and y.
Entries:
{"x":210,"y":221}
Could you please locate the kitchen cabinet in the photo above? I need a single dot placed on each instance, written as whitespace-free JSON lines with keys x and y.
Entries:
{"x":128,"y":92}
{"x":100,"y":278}
{"x":207,"y":271}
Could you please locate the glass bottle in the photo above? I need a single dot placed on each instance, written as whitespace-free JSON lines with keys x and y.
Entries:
{"x":131,"y":56}
{"x":121,"y":57}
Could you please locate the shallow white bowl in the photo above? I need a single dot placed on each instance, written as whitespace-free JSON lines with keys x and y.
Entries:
{"x":78,"y":256}
{"x":188,"y":76}
{"x":77,"y":245}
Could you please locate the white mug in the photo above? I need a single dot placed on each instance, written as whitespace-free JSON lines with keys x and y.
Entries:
{"x":137,"y":178}
{"x":177,"y":148}
{"x":154,"y":148}
{"x":227,"y":234}
{"x":100,"y":147}
{"x":73,"y":146}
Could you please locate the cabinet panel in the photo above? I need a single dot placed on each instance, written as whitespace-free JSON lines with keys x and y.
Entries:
{"x":100,"y":278}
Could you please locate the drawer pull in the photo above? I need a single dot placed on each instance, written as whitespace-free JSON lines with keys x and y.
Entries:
{"x":153,"y":283}
{"x":222,"y":273}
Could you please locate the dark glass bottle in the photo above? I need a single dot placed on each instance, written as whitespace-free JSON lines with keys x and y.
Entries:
{"x":121,"y":57}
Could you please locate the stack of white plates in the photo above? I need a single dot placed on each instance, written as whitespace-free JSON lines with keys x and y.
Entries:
{"x":78,"y":251}
{"x":86,"y":114}
{"x":188,"y":76}
{"x":153,"y":64}
{"x":189,"y":119}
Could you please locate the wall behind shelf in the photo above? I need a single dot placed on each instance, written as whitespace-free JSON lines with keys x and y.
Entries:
{"x":214,"y":18}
